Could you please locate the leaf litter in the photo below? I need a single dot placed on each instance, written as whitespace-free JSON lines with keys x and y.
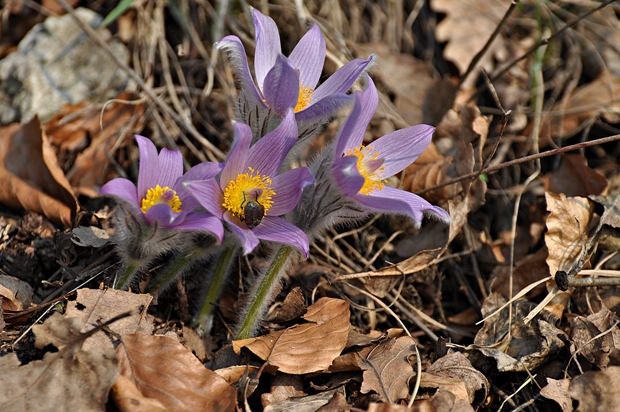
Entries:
{"x":548,"y":337}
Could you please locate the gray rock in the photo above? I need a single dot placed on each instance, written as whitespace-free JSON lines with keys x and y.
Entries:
{"x":57,"y":63}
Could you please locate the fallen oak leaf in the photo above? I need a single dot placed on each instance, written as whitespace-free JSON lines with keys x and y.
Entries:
{"x":163,"y":369}
{"x":70,"y":379}
{"x":305,"y":348}
{"x":30,"y":176}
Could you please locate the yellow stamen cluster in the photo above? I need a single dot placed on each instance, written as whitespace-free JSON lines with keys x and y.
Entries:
{"x":305,"y":98}
{"x":158,"y":195}
{"x":373,"y":178}
{"x":250,"y":186}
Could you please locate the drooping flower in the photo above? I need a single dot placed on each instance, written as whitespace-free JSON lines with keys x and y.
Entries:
{"x":250,"y":194}
{"x":360,"y":171}
{"x":288,"y":83}
{"x":160,"y":197}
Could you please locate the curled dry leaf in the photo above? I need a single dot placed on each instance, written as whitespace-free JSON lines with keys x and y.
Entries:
{"x":128,"y":398}
{"x":527,"y":346}
{"x":30,"y":176}
{"x":163,"y":369}
{"x":478,"y":19}
{"x":596,"y":337}
{"x":451,"y":394}
{"x":386,"y":367}
{"x":586,"y":104}
{"x":430,"y":169}
{"x":575,"y":178}
{"x":567,"y":226}
{"x":305,"y":348}
{"x":85,"y":135}
{"x":70,"y":379}
{"x":597,"y":391}
{"x":95,"y":305}
{"x":457,"y":367}
{"x":528,"y":270}
{"x":557,"y":390}
{"x":283,"y":388}
{"x":14,"y":293}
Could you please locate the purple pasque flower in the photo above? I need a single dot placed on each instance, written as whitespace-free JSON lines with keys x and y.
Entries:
{"x":360,"y":171}
{"x":291,"y":82}
{"x":160,"y":197}
{"x":250,"y":194}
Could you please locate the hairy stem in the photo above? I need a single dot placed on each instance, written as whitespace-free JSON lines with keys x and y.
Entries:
{"x":204,"y":319}
{"x":262,"y":295}
{"x":173,"y":269}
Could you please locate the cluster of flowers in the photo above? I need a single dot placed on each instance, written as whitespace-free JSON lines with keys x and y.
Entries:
{"x":255,"y":195}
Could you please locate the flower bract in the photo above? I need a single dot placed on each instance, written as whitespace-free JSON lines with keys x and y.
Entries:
{"x":251,"y":195}
{"x":160,"y":197}
{"x":360,"y":170}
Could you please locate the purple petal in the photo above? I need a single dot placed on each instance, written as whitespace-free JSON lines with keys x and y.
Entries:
{"x":281,"y":88}
{"x":402,"y":147}
{"x":369,"y":100}
{"x":203,"y":221}
{"x":348,"y":178}
{"x":267,"y":155}
{"x":202,"y":171}
{"x":209,"y":194}
{"x":288,"y":187}
{"x":170,"y":167}
{"x":163,"y":215}
{"x":348,"y":127}
{"x":275,"y":229}
{"x":343,"y":79}
{"x":309,"y":56}
{"x":121,"y":187}
{"x":235,"y":164}
{"x":396,"y":201}
{"x":248,"y":239}
{"x":324,"y":108}
{"x":239,"y":62}
{"x":267,"y":45}
{"x":148,"y":170}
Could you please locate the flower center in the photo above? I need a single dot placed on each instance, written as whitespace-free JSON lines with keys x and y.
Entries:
{"x":305,"y":98}
{"x":248,"y":187}
{"x":370,"y":166}
{"x":158,"y":195}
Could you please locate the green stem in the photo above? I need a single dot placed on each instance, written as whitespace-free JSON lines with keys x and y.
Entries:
{"x":173,"y":269}
{"x":263,"y":293}
{"x":131,"y":267}
{"x":204,"y":319}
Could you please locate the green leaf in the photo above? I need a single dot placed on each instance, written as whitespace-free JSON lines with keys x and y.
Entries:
{"x":122,"y":7}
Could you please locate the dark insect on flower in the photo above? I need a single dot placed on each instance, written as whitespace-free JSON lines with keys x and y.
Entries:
{"x":253,"y":212}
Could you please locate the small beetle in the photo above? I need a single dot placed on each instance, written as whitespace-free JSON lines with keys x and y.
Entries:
{"x":253,"y":212}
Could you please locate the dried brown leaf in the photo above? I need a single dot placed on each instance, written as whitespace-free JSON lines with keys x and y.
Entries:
{"x":309,"y":347}
{"x":575,"y":178}
{"x":451,"y":393}
{"x":283,"y":388}
{"x":85,"y":135}
{"x":387,"y":369}
{"x":95,"y":305}
{"x":422,"y":98}
{"x":597,"y":391}
{"x":457,"y":367}
{"x":527,"y":346}
{"x":30,"y":176}
{"x":567,"y":224}
{"x":557,"y":390}
{"x":430,"y":169}
{"x":293,"y":306}
{"x":163,"y":369}
{"x":128,"y":398}
{"x":70,"y":379}
{"x":587,"y":103}
{"x":528,"y":270}
{"x":596,"y":337}
{"x":478,"y":19}
{"x":14,"y":293}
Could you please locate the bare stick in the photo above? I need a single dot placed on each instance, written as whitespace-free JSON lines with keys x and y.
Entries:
{"x":523,"y":160}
